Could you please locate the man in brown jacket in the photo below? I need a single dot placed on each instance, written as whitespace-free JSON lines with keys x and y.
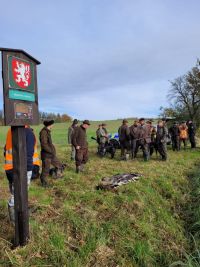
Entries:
{"x":134,"y":137}
{"x":124,"y":138}
{"x":144,"y":138}
{"x":48,"y":153}
{"x":80,"y":143}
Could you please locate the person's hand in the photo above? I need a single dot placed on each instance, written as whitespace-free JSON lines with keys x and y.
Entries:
{"x":78,"y":147}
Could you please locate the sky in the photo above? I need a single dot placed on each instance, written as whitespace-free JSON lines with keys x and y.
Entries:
{"x":104,"y":59}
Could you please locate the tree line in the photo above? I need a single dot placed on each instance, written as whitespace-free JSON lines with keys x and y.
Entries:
{"x":57,"y":117}
{"x":184,"y":96}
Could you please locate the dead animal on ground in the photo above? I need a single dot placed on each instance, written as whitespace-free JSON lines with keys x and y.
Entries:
{"x":118,"y":180}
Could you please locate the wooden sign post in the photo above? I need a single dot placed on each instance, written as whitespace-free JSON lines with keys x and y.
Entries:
{"x":20,"y":108}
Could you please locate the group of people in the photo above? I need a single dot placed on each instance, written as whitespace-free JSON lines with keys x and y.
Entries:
{"x":141,"y":134}
{"x":180,"y":133}
{"x":48,"y":156}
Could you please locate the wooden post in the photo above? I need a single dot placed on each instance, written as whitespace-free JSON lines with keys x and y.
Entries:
{"x":20,"y":109}
{"x":20,"y":185}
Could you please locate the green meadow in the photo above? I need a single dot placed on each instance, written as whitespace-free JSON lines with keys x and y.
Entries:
{"x":152,"y":222}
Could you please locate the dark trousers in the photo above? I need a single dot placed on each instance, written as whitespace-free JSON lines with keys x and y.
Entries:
{"x":133,"y":148}
{"x":46,"y":165}
{"x":192,"y":141}
{"x":125,"y":148}
{"x":162,"y":149}
{"x":176,"y":143}
{"x":81,"y":156}
{"x":184,"y":142}
{"x":145,"y":149}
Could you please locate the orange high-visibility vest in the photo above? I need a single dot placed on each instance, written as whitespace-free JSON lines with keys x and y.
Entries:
{"x":183,"y":132}
{"x":8,"y":153}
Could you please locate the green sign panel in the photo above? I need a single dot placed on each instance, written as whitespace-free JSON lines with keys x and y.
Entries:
{"x":20,"y":95}
{"x":21,"y":74}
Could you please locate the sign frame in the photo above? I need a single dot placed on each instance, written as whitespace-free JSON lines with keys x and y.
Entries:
{"x":27,"y":114}
{"x":14,"y":95}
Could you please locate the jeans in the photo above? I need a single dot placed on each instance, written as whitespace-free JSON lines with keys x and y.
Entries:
{"x":11,"y":201}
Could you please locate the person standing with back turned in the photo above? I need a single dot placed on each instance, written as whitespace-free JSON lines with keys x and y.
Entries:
{"x":80,"y":143}
{"x":70,"y":136}
{"x":48,"y":153}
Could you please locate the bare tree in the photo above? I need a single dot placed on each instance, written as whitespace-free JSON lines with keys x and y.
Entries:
{"x":185,"y":92}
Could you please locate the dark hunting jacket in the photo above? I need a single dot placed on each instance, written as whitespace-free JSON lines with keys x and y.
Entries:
{"x":79,"y":137}
{"x":47,"y":148}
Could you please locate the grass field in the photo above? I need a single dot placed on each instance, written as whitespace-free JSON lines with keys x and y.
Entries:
{"x":146,"y":223}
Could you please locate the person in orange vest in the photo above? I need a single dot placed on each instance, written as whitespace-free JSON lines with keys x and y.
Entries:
{"x":32,"y":158}
{"x":183,"y":134}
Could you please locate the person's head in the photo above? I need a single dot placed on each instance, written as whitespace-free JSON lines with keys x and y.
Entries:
{"x":104,"y":125}
{"x":161,"y":123}
{"x":124,"y":122}
{"x":135,"y":123}
{"x":75,"y":123}
{"x":100,"y":126}
{"x":142,"y":121}
{"x":48,"y":124}
{"x":149,"y":123}
{"x":85,"y":124}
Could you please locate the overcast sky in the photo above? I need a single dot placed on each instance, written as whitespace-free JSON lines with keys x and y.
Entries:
{"x":104,"y":59}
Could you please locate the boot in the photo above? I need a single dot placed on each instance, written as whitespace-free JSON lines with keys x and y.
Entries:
{"x":44,"y":182}
{"x":82,"y":168}
{"x":78,"y":169}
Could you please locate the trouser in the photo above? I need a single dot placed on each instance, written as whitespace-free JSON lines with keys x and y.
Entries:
{"x":9,"y":175}
{"x":184,"y":142}
{"x":81,"y":156}
{"x":145,"y":149}
{"x":176,"y":143}
{"x":125,"y":149}
{"x":73,"y":152}
{"x":192,"y":141}
{"x":46,"y":164}
{"x":133,"y":148}
{"x":162,"y":149}
{"x":101,"y":149}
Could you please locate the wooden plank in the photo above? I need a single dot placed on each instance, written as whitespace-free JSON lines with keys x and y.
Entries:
{"x":20,"y":185}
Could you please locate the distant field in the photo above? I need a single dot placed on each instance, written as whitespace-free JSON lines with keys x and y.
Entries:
{"x":74,"y":225}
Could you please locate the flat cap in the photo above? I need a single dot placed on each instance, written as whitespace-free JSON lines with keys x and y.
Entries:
{"x":86,"y":122}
